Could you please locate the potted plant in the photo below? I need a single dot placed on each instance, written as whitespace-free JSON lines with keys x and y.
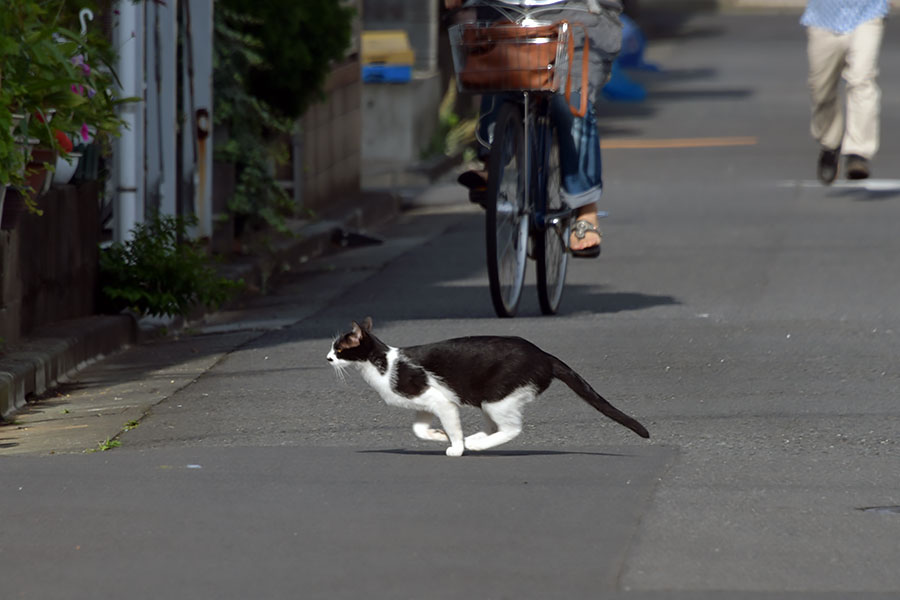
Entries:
{"x":60,"y":82}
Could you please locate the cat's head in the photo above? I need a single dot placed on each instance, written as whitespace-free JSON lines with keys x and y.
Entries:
{"x":354,"y":346}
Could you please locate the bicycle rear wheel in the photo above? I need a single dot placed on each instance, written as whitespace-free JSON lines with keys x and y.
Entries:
{"x":507,"y":219}
{"x":550,"y":244}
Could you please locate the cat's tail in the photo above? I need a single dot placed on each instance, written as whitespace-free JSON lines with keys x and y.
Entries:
{"x":564,"y":373}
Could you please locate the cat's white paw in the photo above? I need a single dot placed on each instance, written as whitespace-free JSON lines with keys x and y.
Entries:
{"x":455,"y":450}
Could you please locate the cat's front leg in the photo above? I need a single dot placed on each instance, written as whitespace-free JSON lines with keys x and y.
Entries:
{"x":423,"y":430}
{"x":448,"y":413}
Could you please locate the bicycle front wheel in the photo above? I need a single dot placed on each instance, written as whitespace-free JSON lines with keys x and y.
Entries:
{"x":507,"y":219}
{"x":550,"y":248}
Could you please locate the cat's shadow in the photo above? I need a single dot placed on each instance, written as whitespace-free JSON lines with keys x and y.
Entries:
{"x":494,"y":453}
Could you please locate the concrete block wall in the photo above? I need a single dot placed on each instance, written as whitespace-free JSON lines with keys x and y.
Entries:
{"x":49,"y":269}
{"x":400,"y":119}
{"x":330,"y":133}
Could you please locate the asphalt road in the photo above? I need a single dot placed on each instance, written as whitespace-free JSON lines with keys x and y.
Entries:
{"x":745,"y":314}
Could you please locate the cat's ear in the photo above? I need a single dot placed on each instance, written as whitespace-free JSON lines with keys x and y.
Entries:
{"x":356,"y":333}
{"x":367,"y":324}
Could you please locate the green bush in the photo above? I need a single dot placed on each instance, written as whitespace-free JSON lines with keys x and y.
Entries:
{"x":250,"y":123}
{"x":271,"y":60}
{"x":159,"y":272}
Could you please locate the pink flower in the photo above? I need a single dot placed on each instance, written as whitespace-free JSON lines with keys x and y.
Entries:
{"x":85,"y":133}
{"x":78,"y":61}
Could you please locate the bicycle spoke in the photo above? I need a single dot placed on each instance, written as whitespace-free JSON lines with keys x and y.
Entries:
{"x":552,"y":257}
{"x":506,"y":221}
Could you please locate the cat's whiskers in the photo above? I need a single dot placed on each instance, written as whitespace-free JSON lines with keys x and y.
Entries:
{"x":340,"y":372}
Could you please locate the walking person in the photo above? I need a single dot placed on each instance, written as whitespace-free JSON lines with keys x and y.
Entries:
{"x":843,"y":41}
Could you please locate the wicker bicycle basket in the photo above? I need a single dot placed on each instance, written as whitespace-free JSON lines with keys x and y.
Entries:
{"x":504,"y":57}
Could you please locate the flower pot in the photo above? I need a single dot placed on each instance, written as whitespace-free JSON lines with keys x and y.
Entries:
{"x":16,"y":119}
{"x":65,"y":168}
{"x":37,"y":176}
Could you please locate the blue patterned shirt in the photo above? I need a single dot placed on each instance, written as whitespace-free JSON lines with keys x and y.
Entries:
{"x":842,"y":16}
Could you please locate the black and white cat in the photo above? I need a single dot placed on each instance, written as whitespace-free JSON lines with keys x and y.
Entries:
{"x":499,"y":375}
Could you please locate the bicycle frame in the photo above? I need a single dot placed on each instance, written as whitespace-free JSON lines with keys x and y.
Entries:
{"x":538,"y":145}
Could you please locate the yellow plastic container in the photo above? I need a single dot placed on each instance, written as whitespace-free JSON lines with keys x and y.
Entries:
{"x":389,"y":47}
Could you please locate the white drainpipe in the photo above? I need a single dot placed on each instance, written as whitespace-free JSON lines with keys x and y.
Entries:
{"x":128,"y":209}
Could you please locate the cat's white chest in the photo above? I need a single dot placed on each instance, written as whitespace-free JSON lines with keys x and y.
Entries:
{"x":383,"y":383}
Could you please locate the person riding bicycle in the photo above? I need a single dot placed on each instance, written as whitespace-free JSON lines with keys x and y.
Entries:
{"x":579,"y":140}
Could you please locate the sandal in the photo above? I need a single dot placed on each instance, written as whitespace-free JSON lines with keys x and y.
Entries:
{"x":580,"y":229}
{"x":476,"y":181}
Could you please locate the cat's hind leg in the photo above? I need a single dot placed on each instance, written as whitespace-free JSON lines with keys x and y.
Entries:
{"x":423,"y":430}
{"x":507,"y":414}
{"x":489,"y":427}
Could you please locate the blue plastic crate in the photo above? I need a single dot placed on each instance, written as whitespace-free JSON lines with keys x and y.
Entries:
{"x":381,"y":73}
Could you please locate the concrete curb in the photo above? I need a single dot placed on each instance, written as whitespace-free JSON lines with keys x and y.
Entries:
{"x":58,"y":351}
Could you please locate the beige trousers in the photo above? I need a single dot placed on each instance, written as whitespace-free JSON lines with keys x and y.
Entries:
{"x":853,"y":56}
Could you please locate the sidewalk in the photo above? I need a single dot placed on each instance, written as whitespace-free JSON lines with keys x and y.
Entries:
{"x":53,"y":353}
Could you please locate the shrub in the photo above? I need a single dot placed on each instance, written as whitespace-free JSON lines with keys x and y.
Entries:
{"x":249,"y":123}
{"x":159,"y":272}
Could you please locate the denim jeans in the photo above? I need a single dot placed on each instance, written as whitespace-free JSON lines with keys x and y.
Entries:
{"x":579,"y":146}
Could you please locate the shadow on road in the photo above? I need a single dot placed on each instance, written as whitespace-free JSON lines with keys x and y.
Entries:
{"x":494,"y":453}
{"x":670,"y":84}
{"x":446,"y":278}
{"x":864,"y":195}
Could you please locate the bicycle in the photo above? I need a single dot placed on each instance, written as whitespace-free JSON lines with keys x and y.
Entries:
{"x":526,"y":62}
